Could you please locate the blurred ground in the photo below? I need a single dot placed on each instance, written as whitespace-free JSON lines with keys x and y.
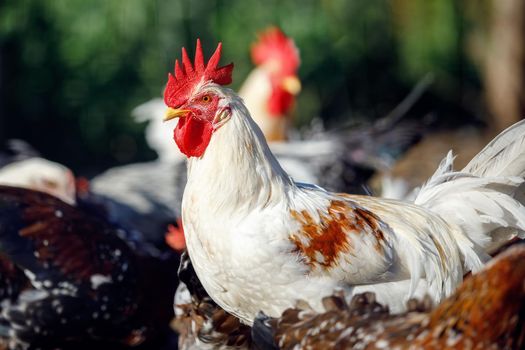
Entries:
{"x":421,"y":161}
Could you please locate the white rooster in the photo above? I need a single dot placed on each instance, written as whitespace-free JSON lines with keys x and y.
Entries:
{"x":269,"y":90}
{"x":259,"y":241}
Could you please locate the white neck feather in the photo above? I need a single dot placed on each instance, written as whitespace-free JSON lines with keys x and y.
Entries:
{"x":238,"y":165}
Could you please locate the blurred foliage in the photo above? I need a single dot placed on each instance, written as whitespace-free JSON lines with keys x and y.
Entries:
{"x":71,"y":70}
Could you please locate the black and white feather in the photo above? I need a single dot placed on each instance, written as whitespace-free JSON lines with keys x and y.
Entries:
{"x":68,"y":276}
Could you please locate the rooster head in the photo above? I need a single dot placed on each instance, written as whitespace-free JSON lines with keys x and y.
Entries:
{"x":191,"y":95}
{"x":278,"y":55}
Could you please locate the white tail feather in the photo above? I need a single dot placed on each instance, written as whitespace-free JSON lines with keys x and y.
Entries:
{"x":484,"y":199}
{"x":503,"y":156}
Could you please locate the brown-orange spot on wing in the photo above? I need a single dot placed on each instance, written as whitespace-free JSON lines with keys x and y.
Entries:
{"x":320,"y":243}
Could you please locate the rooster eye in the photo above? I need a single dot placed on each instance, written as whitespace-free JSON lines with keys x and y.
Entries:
{"x":206,"y":98}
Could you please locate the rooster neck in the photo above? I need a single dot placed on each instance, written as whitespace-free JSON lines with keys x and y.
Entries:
{"x":237,"y":172}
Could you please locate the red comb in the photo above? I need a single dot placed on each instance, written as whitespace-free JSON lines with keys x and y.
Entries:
{"x":181,"y":84}
{"x":274,"y":44}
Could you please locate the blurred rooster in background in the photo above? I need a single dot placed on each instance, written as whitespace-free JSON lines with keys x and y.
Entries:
{"x":269,"y":90}
{"x":260,"y":241}
{"x":486,"y":312}
{"x":70,"y":277}
{"x":343,"y":160}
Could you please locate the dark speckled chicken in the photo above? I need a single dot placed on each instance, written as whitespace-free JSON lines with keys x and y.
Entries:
{"x":68,"y":277}
{"x":486,"y":312}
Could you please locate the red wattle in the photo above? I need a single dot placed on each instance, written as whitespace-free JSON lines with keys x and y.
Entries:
{"x":192,"y":135}
{"x":280,"y":102}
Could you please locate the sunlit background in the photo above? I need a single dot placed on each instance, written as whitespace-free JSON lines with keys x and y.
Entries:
{"x":71,"y":71}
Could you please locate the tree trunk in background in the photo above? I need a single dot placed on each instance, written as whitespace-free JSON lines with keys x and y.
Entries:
{"x":504,"y":64}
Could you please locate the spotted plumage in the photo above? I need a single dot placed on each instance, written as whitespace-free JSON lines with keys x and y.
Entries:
{"x":12,"y":279}
{"x":322,"y":242}
{"x":81,"y":281}
{"x":486,"y":312}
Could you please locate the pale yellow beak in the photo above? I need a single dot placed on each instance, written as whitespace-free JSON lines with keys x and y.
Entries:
{"x":173,"y":113}
{"x":292,"y":84}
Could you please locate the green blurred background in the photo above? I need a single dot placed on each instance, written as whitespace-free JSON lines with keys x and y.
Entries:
{"x":72,"y":70}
